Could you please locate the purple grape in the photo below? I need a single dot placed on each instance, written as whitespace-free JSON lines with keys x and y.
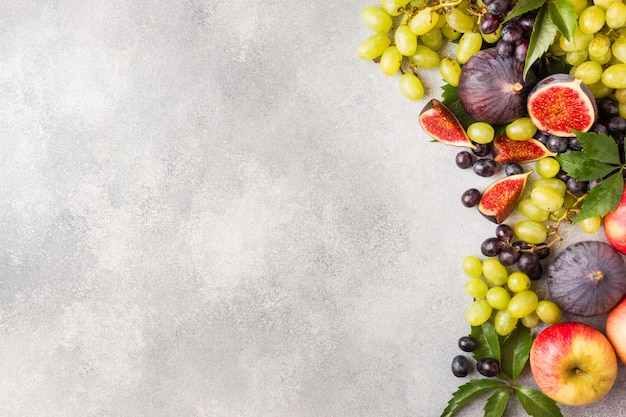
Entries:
{"x":482,"y":149}
{"x":488,"y":367}
{"x":513,"y":169}
{"x":485,"y":167}
{"x":460,"y":366}
{"x":471,"y":197}
{"x":491,"y":247}
{"x":521,"y":49}
{"x":467,"y":344}
{"x":511,"y":33}
{"x":527,"y":261}
{"x":464,"y":159}
{"x":504,"y":232}
{"x":490,"y":23}
{"x":505,"y":48}
{"x":508,"y":256}
{"x":557,"y":143}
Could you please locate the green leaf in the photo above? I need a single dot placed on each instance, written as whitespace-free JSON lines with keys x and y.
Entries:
{"x":523,"y":6}
{"x":563,"y":15}
{"x":450,"y":98}
{"x":496,"y":404}
{"x":581,"y":167}
{"x":542,"y":36}
{"x":469,"y":391}
{"x":487,"y":341}
{"x":599,"y":147}
{"x":515,"y":351}
{"x":603,"y":198}
{"x":536,"y":403}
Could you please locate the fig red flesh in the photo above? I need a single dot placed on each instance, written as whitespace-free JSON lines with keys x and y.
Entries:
{"x":519,"y":151}
{"x":440,"y":123}
{"x":501,"y":197}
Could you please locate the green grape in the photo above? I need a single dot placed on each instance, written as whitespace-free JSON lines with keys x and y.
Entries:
{"x":492,"y":37}
{"x":518,"y":281}
{"x":390,"y":61}
{"x":480,"y":132}
{"x":406,"y":41}
{"x":602,"y":59}
{"x":498,"y":297}
{"x":521,"y":128}
{"x":599,"y":46}
{"x":469,"y":44}
{"x":547,"y":198}
{"x":530,"y":320}
{"x":556,"y":50}
{"x":411,"y":86}
{"x":616,"y":15}
{"x":402,"y":3}
{"x":376,"y":19}
{"x":618,"y":49}
{"x":614,"y":76}
{"x":547,"y":167}
{"x":433,"y":39}
{"x":549,"y":312}
{"x":577,"y":57}
{"x":531,"y":231}
{"x":620,"y":95}
{"x":522,"y":304}
{"x":554,"y":183}
{"x":558,"y":214}
{"x":476,"y":287}
{"x":621,"y":109}
{"x":600,"y":90}
{"x":373,"y":46}
{"x":391,"y":7}
{"x":504,"y":323}
{"x":449,"y":33}
{"x":424,"y":21}
{"x":425,"y":57}
{"x":478,"y":312}
{"x":591,"y":19}
{"x":604,"y":4}
{"x":494,"y":272}
{"x":590,"y":72}
{"x":450,"y":71}
{"x":530,"y":210}
{"x":460,"y":21}
{"x":581,"y":41}
{"x":590,"y":225}
{"x":472,"y":266}
{"x":579,"y":5}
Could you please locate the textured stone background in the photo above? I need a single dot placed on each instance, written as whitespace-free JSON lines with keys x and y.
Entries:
{"x":213,"y":208}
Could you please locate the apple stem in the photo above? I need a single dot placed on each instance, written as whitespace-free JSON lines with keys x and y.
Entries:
{"x":579,"y":372}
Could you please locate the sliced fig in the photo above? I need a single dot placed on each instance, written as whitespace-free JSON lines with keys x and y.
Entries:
{"x":439,"y":122}
{"x":587,"y":278}
{"x":500,"y":198}
{"x":491,"y":87}
{"x":561,"y":102}
{"x":519,"y":151}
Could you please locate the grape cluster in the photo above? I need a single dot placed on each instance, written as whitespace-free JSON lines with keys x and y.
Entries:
{"x":504,"y":298}
{"x":514,"y":35}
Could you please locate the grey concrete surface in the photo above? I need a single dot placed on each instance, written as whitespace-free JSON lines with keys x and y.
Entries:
{"x":214,"y":208}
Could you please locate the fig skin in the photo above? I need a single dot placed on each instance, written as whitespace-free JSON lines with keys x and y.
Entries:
{"x":500,"y":198}
{"x":491,"y":87}
{"x":561,"y":102}
{"x":442,"y":125}
{"x":588,"y":278}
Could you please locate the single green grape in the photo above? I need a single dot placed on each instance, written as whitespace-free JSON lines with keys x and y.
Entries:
{"x":433,"y":39}
{"x":373,"y":46}
{"x":458,"y":20}
{"x":478,"y":312}
{"x":450,"y":71}
{"x":424,"y":21}
{"x":518,"y":281}
{"x":547,"y":167}
{"x":604,"y":4}
{"x":549,"y":312}
{"x":405,"y":40}
{"x":621,"y":109}
{"x":494,"y":272}
{"x":480,"y":132}
{"x":504,"y":323}
{"x":498,"y":297}
{"x":556,"y":215}
{"x":591,"y":224}
{"x":579,"y":5}
{"x":577,"y":57}
{"x":547,"y":198}
{"x":449,"y":33}
{"x":615,"y":76}
{"x":390,"y":61}
{"x":531,"y":231}
{"x":590,"y":72}
{"x":476,"y":287}
{"x":391,"y":7}
{"x":581,"y":41}
{"x":411,"y":86}
{"x":521,"y":128}
{"x":530,"y":320}
{"x":472,"y":266}
{"x":469,"y":44}
{"x":523,"y":303}
{"x":592,"y":19}
{"x":528,"y":208}
{"x":618,"y":49}
{"x":376,"y":19}
{"x":615,"y":15}
{"x":554,"y":183}
{"x":599,"y":46}
{"x":425,"y":57}
{"x":602,"y":59}
{"x":620,"y":95}
{"x":599,"y":89}
{"x":493,"y":37}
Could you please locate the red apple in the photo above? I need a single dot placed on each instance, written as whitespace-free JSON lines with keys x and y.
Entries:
{"x":573,"y":363}
{"x":616,"y":329}
{"x":615,"y":226}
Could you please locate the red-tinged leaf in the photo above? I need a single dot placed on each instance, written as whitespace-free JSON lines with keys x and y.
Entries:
{"x":536,"y":403}
{"x":468,"y":392}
